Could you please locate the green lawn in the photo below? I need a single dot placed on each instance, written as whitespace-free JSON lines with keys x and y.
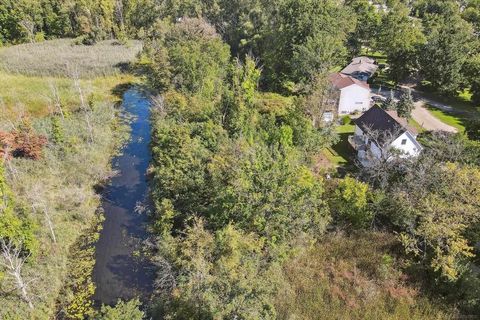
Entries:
{"x":415,"y":125}
{"x":341,"y":154}
{"x":456,"y":121}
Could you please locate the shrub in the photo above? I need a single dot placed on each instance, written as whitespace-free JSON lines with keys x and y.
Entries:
{"x":123,"y":310}
{"x":346,"y":120}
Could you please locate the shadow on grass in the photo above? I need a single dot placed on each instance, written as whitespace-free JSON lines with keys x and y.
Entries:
{"x":120,"y":89}
{"x":344,"y":150}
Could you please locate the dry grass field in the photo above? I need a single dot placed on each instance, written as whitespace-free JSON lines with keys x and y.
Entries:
{"x":35,"y":82}
{"x":62,"y":57}
{"x":37,"y":96}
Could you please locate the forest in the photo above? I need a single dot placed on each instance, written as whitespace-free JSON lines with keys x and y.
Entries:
{"x":247,"y":220}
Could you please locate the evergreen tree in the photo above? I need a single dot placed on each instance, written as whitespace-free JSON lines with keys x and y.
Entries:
{"x":406,"y":104}
{"x":390,"y":103}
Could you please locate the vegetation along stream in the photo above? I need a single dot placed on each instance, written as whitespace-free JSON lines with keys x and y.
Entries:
{"x":121,"y":271}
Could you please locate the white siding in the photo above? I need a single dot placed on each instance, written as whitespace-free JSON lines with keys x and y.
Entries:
{"x":407,"y":144}
{"x":410,"y":147}
{"x":353,"y":98}
{"x":358,"y":131}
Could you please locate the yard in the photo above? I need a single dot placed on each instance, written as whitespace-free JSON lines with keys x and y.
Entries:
{"x":341,"y":154}
{"x":454,"y":120}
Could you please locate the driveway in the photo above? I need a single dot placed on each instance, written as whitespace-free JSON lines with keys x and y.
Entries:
{"x":424,"y":118}
{"x":420,"y":114}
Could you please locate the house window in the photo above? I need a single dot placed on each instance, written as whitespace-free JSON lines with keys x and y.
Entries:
{"x":404,"y":142}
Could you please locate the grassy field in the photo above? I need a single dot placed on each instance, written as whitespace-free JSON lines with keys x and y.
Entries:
{"x":415,"y":125}
{"x":352,"y":277}
{"x":63,"y":57}
{"x":62,"y":182}
{"x":455,"y":121}
{"x":36,"y":95}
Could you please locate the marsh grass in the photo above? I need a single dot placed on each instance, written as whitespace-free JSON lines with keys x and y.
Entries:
{"x":62,"y":183}
{"x":61,"y":57}
{"x":35,"y":95}
{"x":352,"y":277}
{"x":35,"y":79}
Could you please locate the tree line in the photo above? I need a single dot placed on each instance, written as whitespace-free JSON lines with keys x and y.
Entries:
{"x":434,"y":41}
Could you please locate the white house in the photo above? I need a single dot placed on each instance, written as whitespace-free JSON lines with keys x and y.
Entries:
{"x":354,"y":95}
{"x":378,"y":131}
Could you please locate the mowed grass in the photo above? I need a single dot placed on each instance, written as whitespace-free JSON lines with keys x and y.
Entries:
{"x":454,"y":120}
{"x":63,"y":57}
{"x":415,"y":125}
{"x":341,"y":153}
{"x":36,"y":95}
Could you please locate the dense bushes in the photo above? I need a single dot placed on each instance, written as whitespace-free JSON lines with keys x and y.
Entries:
{"x":238,"y":204}
{"x":223,"y":153}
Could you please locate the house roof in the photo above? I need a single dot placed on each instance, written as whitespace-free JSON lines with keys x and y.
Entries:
{"x":341,"y":81}
{"x":377,"y":119}
{"x":403,"y":122}
{"x":361,"y":65}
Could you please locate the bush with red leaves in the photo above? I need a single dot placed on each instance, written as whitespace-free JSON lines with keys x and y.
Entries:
{"x":21,"y":144}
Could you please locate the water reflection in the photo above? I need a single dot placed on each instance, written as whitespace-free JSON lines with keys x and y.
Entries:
{"x":120,"y":271}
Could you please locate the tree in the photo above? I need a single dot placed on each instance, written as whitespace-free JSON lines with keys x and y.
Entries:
{"x":221,"y":275}
{"x":390,"y":103}
{"x":15,"y":229}
{"x":123,"y":310}
{"x":471,"y":71}
{"x":313,"y":39}
{"x":406,"y":104}
{"x":400,"y":37}
{"x":384,"y":169}
{"x":351,"y":202}
{"x":449,"y":41}
{"x":188,"y":56}
{"x":368,"y":24}
{"x":13,"y":261}
{"x":438,"y":206}
{"x":321,"y":97}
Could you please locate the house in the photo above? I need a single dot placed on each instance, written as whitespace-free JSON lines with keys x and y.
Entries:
{"x":354,"y":95}
{"x":361,"y":68}
{"x":381,"y":134}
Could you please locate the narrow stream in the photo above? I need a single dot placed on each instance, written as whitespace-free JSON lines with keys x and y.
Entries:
{"x":120,"y":271}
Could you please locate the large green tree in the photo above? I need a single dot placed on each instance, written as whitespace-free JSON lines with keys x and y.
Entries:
{"x":369,"y":21}
{"x":448,"y":46}
{"x":312,"y":39}
{"x":401,"y":37}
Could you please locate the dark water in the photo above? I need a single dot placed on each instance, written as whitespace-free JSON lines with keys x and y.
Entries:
{"x":120,"y":271}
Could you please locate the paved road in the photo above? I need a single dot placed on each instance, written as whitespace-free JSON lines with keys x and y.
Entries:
{"x":420,"y":114}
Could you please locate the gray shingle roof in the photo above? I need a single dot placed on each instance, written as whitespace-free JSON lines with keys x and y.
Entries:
{"x":377,"y":119}
{"x":361,"y":66}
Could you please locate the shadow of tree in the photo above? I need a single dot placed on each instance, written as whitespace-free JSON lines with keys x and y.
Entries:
{"x":346,"y":151}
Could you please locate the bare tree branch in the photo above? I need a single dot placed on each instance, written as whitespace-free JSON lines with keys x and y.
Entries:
{"x":13,"y":261}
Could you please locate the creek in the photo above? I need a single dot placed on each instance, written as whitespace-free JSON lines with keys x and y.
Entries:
{"x":121,"y":271}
